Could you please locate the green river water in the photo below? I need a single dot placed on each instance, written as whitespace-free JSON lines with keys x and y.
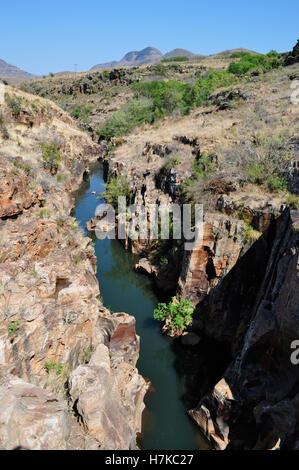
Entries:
{"x":165,"y":422}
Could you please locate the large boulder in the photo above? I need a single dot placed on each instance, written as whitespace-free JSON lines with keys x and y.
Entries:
{"x":30,"y":418}
{"x":109,"y":403}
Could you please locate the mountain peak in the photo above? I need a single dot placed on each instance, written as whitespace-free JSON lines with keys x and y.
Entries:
{"x":13,"y":73}
{"x":147,"y":55}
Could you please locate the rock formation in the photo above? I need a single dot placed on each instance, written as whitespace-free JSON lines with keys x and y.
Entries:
{"x":260,"y":320}
{"x":67,"y":366}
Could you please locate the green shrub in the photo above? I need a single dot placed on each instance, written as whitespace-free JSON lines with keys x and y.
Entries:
{"x":159,"y":69}
{"x":268,"y":162}
{"x":44,"y":214}
{"x":293,"y":201}
{"x":256,"y":173}
{"x":178,"y":58}
{"x":14,"y":104}
{"x":259,"y":174}
{"x":236,"y":55}
{"x":87,"y":353}
{"x":250,"y":234}
{"x":275,"y":183}
{"x":159,"y":98}
{"x":51,"y":156}
{"x":165,"y":96}
{"x":203,"y":166}
{"x":272,"y":54}
{"x":82,"y":113}
{"x":180,"y":313}
{"x":196,"y":95}
{"x":13,"y":327}
{"x":52,"y":365}
{"x":171,"y":162}
{"x":249,"y":62}
{"x":132,"y":114}
{"x":118,"y":186}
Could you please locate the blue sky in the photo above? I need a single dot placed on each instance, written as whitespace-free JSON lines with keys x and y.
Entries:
{"x":43,"y":37}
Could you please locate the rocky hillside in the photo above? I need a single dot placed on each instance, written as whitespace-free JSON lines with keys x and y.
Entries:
{"x":226,"y":136}
{"x":65,"y":381}
{"x":242,"y":276}
{"x":229,"y":52}
{"x":182,"y":53}
{"x":94,"y":97}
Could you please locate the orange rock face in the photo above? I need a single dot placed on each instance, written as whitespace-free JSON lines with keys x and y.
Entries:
{"x":15,"y":195}
{"x":213,"y":257}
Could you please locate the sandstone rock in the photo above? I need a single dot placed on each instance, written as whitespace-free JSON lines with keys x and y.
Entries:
{"x":212,"y":258}
{"x":212,"y":415}
{"x":51,"y":316}
{"x":261,"y":326}
{"x":144,"y":266}
{"x":14,"y":194}
{"x":30,"y":418}
{"x":107,"y":407}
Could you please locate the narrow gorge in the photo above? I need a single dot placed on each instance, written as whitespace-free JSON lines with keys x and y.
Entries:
{"x":84,"y":363}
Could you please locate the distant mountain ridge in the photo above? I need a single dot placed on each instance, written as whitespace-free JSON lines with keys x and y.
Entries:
{"x":232,"y":51}
{"x":145,"y":56}
{"x":182,"y":52}
{"x":8,"y":71}
{"x":151,"y":55}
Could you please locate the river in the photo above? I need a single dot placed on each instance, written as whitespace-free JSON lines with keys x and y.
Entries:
{"x":165,"y":422}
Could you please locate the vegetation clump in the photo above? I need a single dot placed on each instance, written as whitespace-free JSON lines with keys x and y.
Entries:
{"x":178,"y":58}
{"x":250,"y":234}
{"x":293,"y":201}
{"x":14,"y":103}
{"x":13,"y":327}
{"x":54,"y":366}
{"x":159,"y":98}
{"x":51,"y":156}
{"x":179,"y":313}
{"x":44,"y":214}
{"x":133,"y":114}
{"x":118,"y":186}
{"x":268,"y":163}
{"x":87,"y":353}
{"x":257,"y":63}
{"x":82,"y":112}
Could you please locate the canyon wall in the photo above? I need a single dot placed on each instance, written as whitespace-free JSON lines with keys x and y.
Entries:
{"x":255,"y":309}
{"x":68,"y":377}
{"x":242,"y":278}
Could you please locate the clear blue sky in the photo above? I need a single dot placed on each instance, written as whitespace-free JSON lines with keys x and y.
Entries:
{"x":42,"y":37}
